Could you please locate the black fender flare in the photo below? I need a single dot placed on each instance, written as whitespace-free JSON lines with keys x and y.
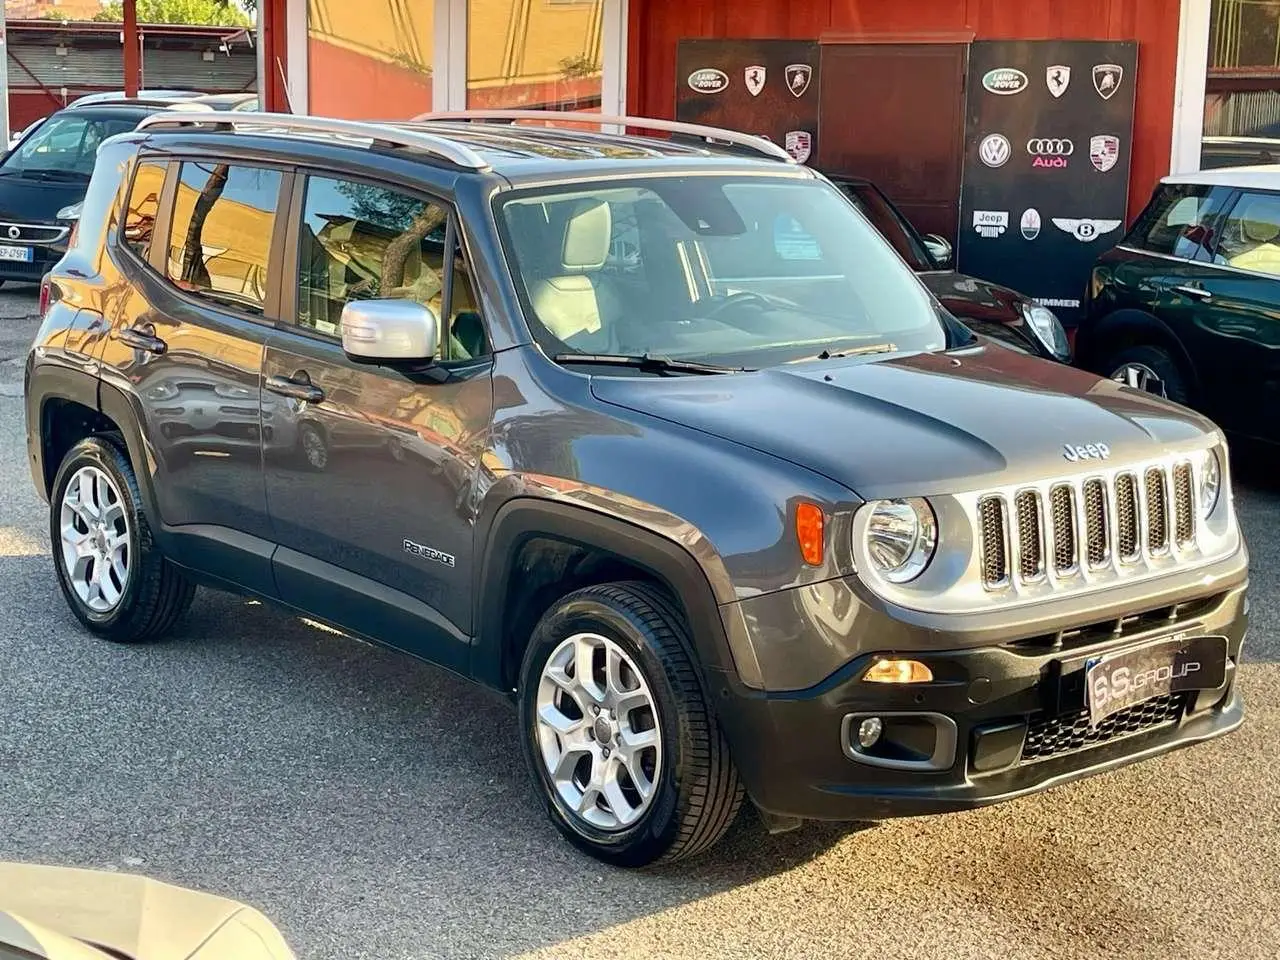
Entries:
{"x":523,"y":518}
{"x":1139,"y":325}
{"x":126,"y":412}
{"x":45,"y":384}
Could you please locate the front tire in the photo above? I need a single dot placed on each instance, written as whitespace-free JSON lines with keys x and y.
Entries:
{"x":617,"y":731}
{"x":112,"y":575}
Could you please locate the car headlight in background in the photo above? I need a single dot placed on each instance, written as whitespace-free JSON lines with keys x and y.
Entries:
{"x":1210,"y":481}
{"x":901,"y":536}
{"x":1047,"y":328}
{"x":70,"y":213}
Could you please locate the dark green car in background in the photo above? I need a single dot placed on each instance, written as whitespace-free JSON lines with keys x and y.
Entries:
{"x":1187,"y":305}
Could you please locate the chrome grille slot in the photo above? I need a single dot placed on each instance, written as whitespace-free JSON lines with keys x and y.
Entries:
{"x":1030,"y":535}
{"x":995,"y":556}
{"x":1157,"y":512}
{"x":1184,"y":515}
{"x":1095,"y":522}
{"x":1127,"y":517}
{"x":1062,"y":503}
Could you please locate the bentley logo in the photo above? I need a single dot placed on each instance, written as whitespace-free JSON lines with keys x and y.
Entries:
{"x":1090,"y":451}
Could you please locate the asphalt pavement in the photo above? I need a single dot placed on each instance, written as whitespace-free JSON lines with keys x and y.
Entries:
{"x":376,"y":807}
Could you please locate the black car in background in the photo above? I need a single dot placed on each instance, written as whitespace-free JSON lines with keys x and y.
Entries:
{"x":989,"y":309}
{"x":1187,"y":305}
{"x":43,"y":182}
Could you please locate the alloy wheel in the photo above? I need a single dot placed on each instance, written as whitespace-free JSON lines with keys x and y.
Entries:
{"x":1140,"y":377}
{"x":597,"y":729}
{"x":313,"y":447}
{"x":95,"y":539}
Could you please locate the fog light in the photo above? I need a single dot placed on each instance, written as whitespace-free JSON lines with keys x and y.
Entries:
{"x":898,"y":671}
{"x":869,"y":732}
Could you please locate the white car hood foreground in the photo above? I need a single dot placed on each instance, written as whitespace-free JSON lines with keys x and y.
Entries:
{"x":62,"y":914}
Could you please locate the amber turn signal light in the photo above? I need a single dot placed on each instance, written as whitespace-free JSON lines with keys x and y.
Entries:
{"x":898,"y":671}
{"x":809,"y":524}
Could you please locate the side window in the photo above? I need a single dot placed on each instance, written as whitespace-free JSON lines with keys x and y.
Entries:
{"x":1251,"y":234}
{"x":142,"y":206}
{"x":1179,"y":221}
{"x":360,"y":241}
{"x":220,"y":239}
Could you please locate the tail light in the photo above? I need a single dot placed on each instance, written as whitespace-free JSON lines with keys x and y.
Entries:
{"x":46,"y":295}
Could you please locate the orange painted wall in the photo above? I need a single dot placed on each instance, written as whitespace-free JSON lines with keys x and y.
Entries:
{"x":656,"y":25}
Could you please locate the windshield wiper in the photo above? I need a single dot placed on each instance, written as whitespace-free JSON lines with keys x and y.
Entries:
{"x":46,"y":174}
{"x":858,"y":351}
{"x":647,"y":362}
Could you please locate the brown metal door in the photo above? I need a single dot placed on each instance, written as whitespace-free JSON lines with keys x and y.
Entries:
{"x":894,"y":113}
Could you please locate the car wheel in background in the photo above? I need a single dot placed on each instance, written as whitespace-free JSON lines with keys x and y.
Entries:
{"x":617,"y":731}
{"x":113,"y":576}
{"x":1150,"y":369}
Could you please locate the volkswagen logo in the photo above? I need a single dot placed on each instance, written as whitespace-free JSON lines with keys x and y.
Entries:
{"x":1050,"y":148}
{"x":14,"y":233}
{"x":994,"y":150}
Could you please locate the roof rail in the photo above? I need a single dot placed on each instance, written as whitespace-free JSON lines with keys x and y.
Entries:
{"x":759,"y":144}
{"x":456,"y":153}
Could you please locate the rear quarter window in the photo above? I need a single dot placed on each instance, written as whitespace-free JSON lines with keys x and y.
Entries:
{"x":1180,"y":221}
{"x":142,"y":207}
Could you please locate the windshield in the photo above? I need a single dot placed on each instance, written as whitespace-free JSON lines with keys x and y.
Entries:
{"x":873,"y":205}
{"x":734,"y":271}
{"x":65,"y":146}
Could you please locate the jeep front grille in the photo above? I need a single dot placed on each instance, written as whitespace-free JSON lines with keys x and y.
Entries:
{"x":1094,"y":524}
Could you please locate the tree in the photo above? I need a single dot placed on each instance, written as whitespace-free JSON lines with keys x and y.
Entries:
{"x":217,"y":13}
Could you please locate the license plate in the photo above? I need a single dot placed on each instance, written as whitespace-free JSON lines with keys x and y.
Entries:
{"x":1119,"y":680}
{"x":8,"y":252}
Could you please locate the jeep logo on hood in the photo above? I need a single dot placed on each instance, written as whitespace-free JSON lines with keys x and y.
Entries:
{"x":1005,"y":81}
{"x":708,"y":80}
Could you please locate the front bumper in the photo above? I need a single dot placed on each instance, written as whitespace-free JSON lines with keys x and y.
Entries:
{"x":1014,"y":712}
{"x":44,"y":258}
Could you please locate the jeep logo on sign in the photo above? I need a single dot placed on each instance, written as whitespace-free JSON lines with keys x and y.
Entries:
{"x":1005,"y":81}
{"x":708,"y":80}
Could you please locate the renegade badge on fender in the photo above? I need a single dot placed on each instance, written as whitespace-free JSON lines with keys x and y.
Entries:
{"x":658,"y":436}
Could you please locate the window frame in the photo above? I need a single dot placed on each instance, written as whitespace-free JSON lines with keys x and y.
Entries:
{"x":1238,"y":195}
{"x":164,"y":212}
{"x":453,"y":234}
{"x":1137,"y":237}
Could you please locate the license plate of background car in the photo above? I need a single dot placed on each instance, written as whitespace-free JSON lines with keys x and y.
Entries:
{"x":8,"y":252}
{"x":1119,"y":680}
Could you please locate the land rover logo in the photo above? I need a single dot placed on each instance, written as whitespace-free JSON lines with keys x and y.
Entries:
{"x":1005,"y":81}
{"x":14,"y":233}
{"x":708,"y":80}
{"x":1089,"y":451}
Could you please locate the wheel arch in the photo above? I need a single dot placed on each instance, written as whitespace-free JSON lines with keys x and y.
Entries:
{"x":538,"y":550}
{"x":1130,"y":328}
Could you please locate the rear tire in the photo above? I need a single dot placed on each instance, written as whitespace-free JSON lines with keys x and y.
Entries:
{"x":1146,"y":366}
{"x":112,"y":575}
{"x":579,"y":735}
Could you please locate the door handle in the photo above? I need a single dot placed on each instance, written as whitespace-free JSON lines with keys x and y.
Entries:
{"x":143,"y":338}
{"x":1195,"y":293}
{"x":299,"y":387}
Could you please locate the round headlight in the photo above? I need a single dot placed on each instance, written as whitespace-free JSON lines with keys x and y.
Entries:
{"x":901,"y":536}
{"x":1048,"y":329}
{"x":1210,"y":482}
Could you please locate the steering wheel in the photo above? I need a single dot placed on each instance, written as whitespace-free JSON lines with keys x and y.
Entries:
{"x":734,"y":299}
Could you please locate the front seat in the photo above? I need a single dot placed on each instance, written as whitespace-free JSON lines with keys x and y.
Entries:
{"x":572,"y":300}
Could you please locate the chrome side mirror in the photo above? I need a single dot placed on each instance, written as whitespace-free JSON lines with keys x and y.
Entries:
{"x":389,"y":330}
{"x":939,"y":250}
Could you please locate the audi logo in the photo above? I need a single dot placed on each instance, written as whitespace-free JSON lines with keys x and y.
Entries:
{"x":1051,"y":148}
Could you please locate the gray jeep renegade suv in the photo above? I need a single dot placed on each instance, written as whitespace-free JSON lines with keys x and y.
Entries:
{"x":653,"y":434}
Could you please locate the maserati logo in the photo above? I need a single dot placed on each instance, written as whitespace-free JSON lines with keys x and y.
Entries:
{"x":1030,"y":223}
{"x":1058,"y":78}
{"x":1106,"y":79}
{"x":798,"y":76}
{"x":14,"y":233}
{"x":1104,"y":152}
{"x":1089,"y":451}
{"x":799,"y":144}
{"x":995,"y":150}
{"x":753,"y":77}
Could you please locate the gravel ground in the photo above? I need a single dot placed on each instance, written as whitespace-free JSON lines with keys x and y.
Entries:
{"x":377,"y":807}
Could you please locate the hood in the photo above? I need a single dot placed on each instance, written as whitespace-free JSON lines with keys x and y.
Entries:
{"x":922,"y":424}
{"x":54,"y":907}
{"x":970,"y":298}
{"x":25,"y":200}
